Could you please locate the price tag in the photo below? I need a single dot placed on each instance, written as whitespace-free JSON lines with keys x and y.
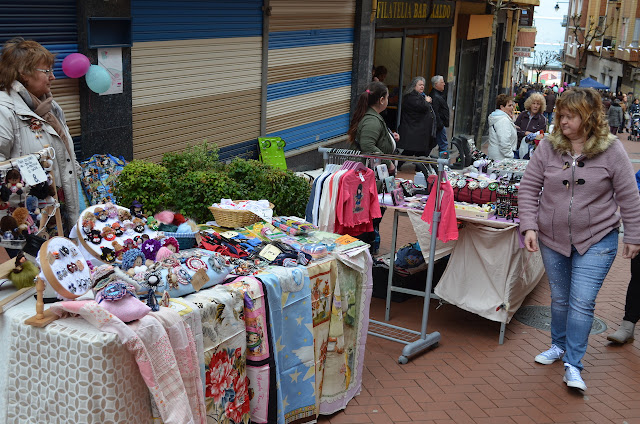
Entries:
{"x":345,"y":239}
{"x":270,"y":252}
{"x":229,"y":234}
{"x":199,"y":279}
{"x":31,"y":170}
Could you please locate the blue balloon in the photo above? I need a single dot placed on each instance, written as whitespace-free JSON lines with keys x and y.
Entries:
{"x":98,"y":79}
{"x":555,"y":88}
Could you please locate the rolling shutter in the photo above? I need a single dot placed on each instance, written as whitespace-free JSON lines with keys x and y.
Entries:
{"x":310,"y":61}
{"x":54,"y":26}
{"x":196,"y":69}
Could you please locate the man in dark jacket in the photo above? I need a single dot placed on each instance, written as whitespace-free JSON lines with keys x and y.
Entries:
{"x":441,"y":109}
{"x":550,"y":97}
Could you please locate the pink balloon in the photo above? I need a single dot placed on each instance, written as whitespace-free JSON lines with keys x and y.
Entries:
{"x":561,"y":89}
{"x":565,"y":84}
{"x":75,"y":65}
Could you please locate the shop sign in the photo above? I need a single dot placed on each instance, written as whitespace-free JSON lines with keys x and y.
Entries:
{"x":400,"y":14}
{"x":522,"y":51}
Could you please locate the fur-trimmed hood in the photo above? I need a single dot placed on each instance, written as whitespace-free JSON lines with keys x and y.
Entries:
{"x":592,"y":147}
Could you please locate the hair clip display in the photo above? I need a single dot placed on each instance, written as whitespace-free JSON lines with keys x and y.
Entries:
{"x":65,"y":270}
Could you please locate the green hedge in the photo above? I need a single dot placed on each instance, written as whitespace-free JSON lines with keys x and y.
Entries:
{"x":191,"y":180}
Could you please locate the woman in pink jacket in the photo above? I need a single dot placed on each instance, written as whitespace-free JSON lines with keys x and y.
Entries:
{"x":568,"y":202}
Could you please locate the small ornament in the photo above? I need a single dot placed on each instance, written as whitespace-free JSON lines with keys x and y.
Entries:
{"x":36,"y":125}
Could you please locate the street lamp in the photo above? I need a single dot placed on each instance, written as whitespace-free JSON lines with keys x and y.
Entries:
{"x":557,"y":6}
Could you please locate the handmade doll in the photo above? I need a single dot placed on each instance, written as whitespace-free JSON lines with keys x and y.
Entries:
{"x":101,"y":214}
{"x":127,"y":226}
{"x":112,"y":210}
{"x":150,"y":249}
{"x":124,"y":215}
{"x":172,"y":244}
{"x":118,"y":249}
{"x":108,"y":255}
{"x":13,"y":181}
{"x":152,"y":223}
{"x":88,"y":224}
{"x":24,"y":272}
{"x":129,"y":244}
{"x":34,"y":210}
{"x":133,"y":261}
{"x":117,"y":228}
{"x":138,"y":225}
{"x":108,"y":233}
{"x":8,"y":226}
{"x":95,"y":236}
{"x":23,"y":219}
{"x":136,"y":209}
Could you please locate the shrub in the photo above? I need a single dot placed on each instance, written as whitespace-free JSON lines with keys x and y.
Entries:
{"x":194,"y":191}
{"x":200,"y":157}
{"x":144,"y":181}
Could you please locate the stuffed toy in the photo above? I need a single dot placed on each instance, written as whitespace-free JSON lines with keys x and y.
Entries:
{"x":108,"y":233}
{"x":172,"y":244}
{"x":124,"y":215}
{"x":118,"y":249}
{"x":34,"y":210}
{"x":133,"y":261}
{"x":13,"y":181}
{"x":8,"y":226}
{"x":23,"y":219}
{"x":24,"y":273}
{"x":136,"y":209}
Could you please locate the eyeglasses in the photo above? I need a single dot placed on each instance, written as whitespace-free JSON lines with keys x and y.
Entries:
{"x":47,"y":72}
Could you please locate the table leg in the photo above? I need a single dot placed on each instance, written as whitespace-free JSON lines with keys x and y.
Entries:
{"x":501,"y":338}
{"x":392,"y":257}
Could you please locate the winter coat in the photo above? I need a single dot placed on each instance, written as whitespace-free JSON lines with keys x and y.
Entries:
{"x":615,"y":115}
{"x":373,"y":136}
{"x":503,"y":138}
{"x":551,"y":101}
{"x":17,"y":139}
{"x":440,"y":108}
{"x":417,"y":124}
{"x":579,"y":201}
{"x":528,"y":122}
{"x":634,"y":108}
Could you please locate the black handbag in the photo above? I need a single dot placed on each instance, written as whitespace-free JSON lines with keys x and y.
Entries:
{"x":33,"y":244}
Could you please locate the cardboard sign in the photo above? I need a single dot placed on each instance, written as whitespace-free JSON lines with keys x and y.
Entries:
{"x":270,"y":252}
{"x":346,"y":239}
{"x":199,"y":279}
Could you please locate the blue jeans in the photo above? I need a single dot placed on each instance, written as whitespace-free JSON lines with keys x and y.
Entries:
{"x":441,"y":139}
{"x":575,"y":282}
{"x":549,"y":116}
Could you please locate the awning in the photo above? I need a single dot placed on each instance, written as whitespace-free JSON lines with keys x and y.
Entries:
{"x":526,"y":37}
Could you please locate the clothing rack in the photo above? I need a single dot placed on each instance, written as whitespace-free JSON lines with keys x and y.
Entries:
{"x":425,"y":340}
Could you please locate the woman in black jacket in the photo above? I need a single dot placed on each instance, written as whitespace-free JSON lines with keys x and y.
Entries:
{"x":418,"y":121}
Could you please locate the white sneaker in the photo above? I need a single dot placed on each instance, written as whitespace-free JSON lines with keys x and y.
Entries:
{"x":572,"y":377}
{"x":548,"y":357}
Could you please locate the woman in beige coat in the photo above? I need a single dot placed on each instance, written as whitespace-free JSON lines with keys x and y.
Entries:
{"x":31,"y":119}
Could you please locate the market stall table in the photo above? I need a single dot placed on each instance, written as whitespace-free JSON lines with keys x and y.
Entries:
{"x":78,"y":373}
{"x":489,"y":273}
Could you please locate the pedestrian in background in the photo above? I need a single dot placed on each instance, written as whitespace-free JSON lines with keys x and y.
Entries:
{"x":531,"y":121}
{"x":615,"y":116}
{"x":418,"y":121}
{"x":550,"y":99}
{"x":441,"y":110}
{"x":568,"y":201}
{"x":503,"y":137}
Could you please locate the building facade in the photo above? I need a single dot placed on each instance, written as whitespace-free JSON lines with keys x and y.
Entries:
{"x":231,"y":72}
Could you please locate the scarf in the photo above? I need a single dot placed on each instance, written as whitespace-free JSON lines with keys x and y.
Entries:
{"x":45,"y":108}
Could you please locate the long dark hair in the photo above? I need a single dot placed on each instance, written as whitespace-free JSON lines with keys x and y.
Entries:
{"x":374,"y":92}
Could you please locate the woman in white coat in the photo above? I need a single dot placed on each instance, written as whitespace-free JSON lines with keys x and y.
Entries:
{"x":503,"y":137}
{"x":31,"y":119}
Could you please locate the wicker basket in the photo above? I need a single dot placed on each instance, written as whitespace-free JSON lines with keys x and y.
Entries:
{"x":233,"y":218}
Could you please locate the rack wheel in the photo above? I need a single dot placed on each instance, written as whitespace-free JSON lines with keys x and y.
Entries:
{"x":403,"y":359}
{"x":265,"y":144}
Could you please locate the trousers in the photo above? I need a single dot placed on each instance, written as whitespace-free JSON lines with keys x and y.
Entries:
{"x":575,"y":282}
{"x":632,"y":304}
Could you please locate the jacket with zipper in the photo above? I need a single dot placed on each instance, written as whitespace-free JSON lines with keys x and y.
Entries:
{"x":580,"y":198}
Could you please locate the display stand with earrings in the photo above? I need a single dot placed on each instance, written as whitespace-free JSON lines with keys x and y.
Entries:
{"x":42,"y":317}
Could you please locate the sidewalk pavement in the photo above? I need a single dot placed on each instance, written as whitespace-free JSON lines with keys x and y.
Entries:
{"x":470,"y":378}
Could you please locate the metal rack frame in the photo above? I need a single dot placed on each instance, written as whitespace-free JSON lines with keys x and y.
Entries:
{"x":425,"y":340}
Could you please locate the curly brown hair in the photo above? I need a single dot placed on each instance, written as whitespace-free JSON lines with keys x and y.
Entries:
{"x":21,"y":57}
{"x":535,"y":97}
{"x":502,"y":100}
{"x":587,"y":103}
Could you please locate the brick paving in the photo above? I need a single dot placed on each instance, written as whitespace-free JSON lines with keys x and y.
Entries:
{"x":470,"y":378}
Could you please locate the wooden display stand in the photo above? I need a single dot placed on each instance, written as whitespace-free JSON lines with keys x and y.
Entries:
{"x":42,"y":317}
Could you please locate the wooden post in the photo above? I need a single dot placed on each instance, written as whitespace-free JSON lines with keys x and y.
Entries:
{"x":42,"y":318}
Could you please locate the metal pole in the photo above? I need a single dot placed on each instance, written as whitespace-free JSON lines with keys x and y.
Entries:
{"x":400,"y":82}
{"x":266,"y":12}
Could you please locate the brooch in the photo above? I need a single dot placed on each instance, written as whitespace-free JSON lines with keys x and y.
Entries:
{"x":195,"y":264}
{"x":36,"y":126}
{"x":182,"y":275}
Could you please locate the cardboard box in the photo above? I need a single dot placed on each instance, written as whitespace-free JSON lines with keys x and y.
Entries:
{"x":473,"y":213}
